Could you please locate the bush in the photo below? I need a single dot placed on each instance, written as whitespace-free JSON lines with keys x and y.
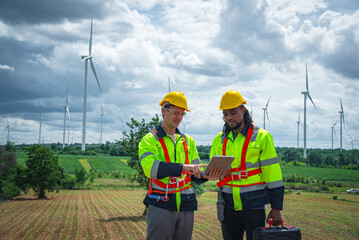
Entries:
{"x":68,"y":182}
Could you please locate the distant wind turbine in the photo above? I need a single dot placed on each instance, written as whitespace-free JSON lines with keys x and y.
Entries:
{"x":351,"y":142}
{"x":66,"y":113}
{"x":333,"y":133}
{"x":306,"y":94}
{"x":40,"y":124}
{"x":342,"y":122}
{"x":265,"y":112}
{"x":184,"y":126}
{"x":86,"y":59}
{"x":298,"y":122}
{"x":8,"y":129}
{"x":101,"y":124}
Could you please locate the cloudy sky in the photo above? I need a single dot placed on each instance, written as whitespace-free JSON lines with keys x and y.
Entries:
{"x":206,"y":48}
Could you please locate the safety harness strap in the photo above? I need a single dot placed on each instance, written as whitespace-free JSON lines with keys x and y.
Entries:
{"x":173,"y":182}
{"x":241,"y":172}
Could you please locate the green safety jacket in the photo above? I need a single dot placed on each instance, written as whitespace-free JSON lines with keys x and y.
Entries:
{"x":251,"y":192}
{"x":181,"y":197}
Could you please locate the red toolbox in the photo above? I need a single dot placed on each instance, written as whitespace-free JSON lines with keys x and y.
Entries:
{"x":277,"y":233}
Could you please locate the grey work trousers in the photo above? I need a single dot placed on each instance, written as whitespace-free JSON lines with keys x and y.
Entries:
{"x":163,"y":224}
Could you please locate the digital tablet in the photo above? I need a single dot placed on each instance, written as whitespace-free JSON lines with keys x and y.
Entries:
{"x":222,"y":162}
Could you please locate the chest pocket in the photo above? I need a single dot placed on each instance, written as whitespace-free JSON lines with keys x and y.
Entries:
{"x":253,"y":152}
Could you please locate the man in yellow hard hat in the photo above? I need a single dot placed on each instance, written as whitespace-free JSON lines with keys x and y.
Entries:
{"x":255,"y":177}
{"x":170,"y":159}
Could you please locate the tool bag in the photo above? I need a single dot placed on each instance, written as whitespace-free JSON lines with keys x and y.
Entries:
{"x":277,"y":233}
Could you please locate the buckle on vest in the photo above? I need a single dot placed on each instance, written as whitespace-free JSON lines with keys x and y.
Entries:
{"x":179,"y":183}
{"x":240,"y":175}
{"x":173,"y":180}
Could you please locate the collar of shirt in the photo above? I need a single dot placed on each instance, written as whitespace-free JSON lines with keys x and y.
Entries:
{"x":161,"y":132}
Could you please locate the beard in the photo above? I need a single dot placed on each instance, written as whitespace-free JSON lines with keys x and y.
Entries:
{"x":237,"y":126}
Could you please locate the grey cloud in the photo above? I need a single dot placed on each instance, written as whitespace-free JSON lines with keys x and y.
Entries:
{"x":53,"y":11}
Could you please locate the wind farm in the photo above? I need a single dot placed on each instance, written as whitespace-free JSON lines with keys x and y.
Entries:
{"x":129,"y":67}
{"x":99,"y":70}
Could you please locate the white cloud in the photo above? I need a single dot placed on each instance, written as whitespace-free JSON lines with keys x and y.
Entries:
{"x":6,"y":67}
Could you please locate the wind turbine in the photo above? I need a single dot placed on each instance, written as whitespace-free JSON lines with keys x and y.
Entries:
{"x":8,"y":130}
{"x":341,"y":117}
{"x":265,"y":112}
{"x":40,"y":124}
{"x":86,"y":59}
{"x":333,"y":132}
{"x":306,"y":94}
{"x":184,"y":126}
{"x":66,"y":112}
{"x":298,"y":122}
{"x":101,"y":124}
{"x":351,"y":142}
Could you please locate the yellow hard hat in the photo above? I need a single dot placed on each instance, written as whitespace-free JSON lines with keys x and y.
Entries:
{"x":231,"y":99}
{"x":176,"y":98}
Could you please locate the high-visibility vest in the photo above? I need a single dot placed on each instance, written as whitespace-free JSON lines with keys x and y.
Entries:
{"x":235,"y":174}
{"x":180,"y":183}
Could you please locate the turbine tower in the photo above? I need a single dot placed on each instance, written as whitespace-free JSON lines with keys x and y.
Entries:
{"x":66,"y":112}
{"x":265,"y":112}
{"x":342,"y":122}
{"x":101,"y":124}
{"x":306,"y":94}
{"x":40,"y":124}
{"x":86,"y":59}
{"x":169,"y":84}
{"x":298,"y":122}
{"x":333,"y":132}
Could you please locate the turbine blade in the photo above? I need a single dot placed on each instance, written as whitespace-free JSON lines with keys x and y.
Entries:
{"x":335,"y":123}
{"x":101,"y":109}
{"x":90,"y":44}
{"x":306,"y":77}
{"x":299,"y":116}
{"x":311,"y":100}
{"x":334,"y":133}
{"x":343,"y":120}
{"x":267,"y":117}
{"x":67,"y":96}
{"x":68,"y":111}
{"x":341,"y":105}
{"x":268,"y":101}
{"x":94,"y":72}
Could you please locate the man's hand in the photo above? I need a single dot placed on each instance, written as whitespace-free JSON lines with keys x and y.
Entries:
{"x":193,"y":168}
{"x":276,"y":216}
{"x":213,"y":174}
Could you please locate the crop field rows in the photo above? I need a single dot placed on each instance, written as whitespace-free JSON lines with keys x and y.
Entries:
{"x":117,"y":214}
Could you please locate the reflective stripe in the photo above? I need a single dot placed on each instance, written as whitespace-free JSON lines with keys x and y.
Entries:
{"x":275,"y":184}
{"x":268,"y":162}
{"x":154,"y":169}
{"x":244,"y":189}
{"x":254,"y":134}
{"x":145,"y":154}
{"x":196,"y":161}
{"x":155,"y":135}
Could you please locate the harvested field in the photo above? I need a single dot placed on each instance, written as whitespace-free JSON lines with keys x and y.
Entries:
{"x":116,"y":214}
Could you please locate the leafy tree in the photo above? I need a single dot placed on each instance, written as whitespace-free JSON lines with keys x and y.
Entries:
{"x":8,"y":187}
{"x":43,"y":170}
{"x":81,"y":176}
{"x":130,"y":143}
